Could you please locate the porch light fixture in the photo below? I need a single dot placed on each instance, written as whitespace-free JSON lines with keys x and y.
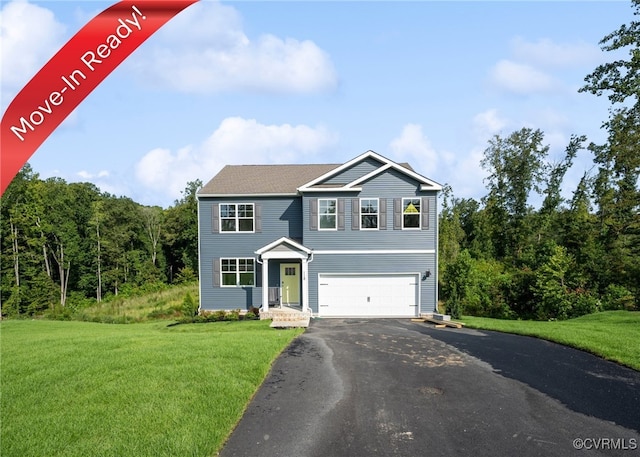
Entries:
{"x":426,"y":274}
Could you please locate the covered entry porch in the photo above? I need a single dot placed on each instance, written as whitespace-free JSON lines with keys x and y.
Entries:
{"x":285,"y":272}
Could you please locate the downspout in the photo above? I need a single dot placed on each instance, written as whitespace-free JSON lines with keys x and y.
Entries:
{"x":259,"y":260}
{"x":306,"y":280}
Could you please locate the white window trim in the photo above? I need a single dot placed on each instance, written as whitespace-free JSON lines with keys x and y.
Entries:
{"x":237,"y":218}
{"x":335,"y":201}
{"x":419,"y":213}
{"x":377,"y":227}
{"x":237,"y":272}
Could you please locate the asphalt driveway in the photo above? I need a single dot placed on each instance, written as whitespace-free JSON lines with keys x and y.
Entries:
{"x":397,"y":388}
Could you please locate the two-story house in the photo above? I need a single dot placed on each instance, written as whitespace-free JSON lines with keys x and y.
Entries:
{"x":353,"y":239}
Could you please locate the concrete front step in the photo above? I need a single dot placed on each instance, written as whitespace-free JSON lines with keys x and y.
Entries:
{"x":284,"y":315}
{"x":286,"y":318}
{"x":300,"y":322}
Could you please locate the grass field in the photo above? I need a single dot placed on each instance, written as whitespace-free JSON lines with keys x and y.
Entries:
{"x":164,"y":304}
{"x":88,"y":389}
{"x":613,"y":335}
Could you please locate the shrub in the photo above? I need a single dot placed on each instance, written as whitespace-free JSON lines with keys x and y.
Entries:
{"x":185,"y":275}
{"x":217,"y":316}
{"x":232,"y":315}
{"x":617,"y":297}
{"x":453,"y":305}
{"x":189,"y":306}
{"x":584,"y":303}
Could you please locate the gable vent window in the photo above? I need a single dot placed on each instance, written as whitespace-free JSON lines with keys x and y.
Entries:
{"x":236,"y":217}
{"x":411,"y":213}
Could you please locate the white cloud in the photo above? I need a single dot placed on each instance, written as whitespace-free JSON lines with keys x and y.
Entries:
{"x":29,"y":36}
{"x":520,"y":78}
{"x":90,"y":176}
{"x":545,"y":52}
{"x":413,"y":146}
{"x":468,"y":175}
{"x":235,"y":141}
{"x":205,"y":50}
{"x":527,"y":70}
{"x":487,"y":124}
{"x":463,"y":168}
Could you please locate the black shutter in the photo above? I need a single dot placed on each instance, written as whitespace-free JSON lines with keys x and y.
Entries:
{"x":215,"y":221}
{"x":424,"y":209}
{"x":257,"y":214}
{"x":313,"y":214}
{"x":216,"y":272}
{"x":382,"y":218}
{"x":397,"y":214}
{"x":355,"y":214}
{"x":341,"y":214}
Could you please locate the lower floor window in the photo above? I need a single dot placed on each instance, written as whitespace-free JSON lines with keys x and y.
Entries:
{"x":237,"y":272}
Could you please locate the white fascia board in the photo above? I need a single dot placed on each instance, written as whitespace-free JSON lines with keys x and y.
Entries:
{"x":435,"y":186}
{"x":370,"y":175}
{"x":284,"y":240}
{"x":332,"y":189}
{"x":337,"y":170}
{"x":426,"y":183}
{"x":376,"y":251}
{"x":294,"y":194}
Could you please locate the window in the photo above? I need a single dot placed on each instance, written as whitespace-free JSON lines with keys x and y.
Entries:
{"x":411,"y":213}
{"x":236,"y":217}
{"x":237,"y":272}
{"x":369,"y":213}
{"x":327,"y":214}
{"x":290,"y":271}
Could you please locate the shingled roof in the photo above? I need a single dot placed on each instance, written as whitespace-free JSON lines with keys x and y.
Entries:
{"x":263,"y":179}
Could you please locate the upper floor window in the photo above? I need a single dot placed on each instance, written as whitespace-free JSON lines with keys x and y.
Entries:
{"x":236,"y":217}
{"x":410,"y":213}
{"x":237,"y":272}
{"x":369,"y":213}
{"x":327,"y":214}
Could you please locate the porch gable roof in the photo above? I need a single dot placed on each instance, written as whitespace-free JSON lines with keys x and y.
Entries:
{"x":284,"y":248}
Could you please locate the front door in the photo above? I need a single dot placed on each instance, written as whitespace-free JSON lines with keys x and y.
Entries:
{"x":290,"y":282}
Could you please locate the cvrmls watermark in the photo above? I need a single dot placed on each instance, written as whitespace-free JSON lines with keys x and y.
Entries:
{"x":600,"y":444}
{"x":90,"y":59}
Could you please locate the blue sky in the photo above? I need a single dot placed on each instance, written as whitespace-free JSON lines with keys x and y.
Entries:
{"x":318,"y":82}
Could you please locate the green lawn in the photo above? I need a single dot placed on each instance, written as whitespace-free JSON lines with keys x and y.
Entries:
{"x":87,"y":389}
{"x":613,"y":335}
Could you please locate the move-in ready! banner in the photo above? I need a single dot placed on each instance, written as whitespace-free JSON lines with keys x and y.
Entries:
{"x":87,"y":58}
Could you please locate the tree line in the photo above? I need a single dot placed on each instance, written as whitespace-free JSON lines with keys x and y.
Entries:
{"x":67,"y":245}
{"x":500,"y":257}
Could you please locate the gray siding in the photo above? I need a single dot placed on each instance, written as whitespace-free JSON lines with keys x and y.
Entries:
{"x":388,"y":186}
{"x":377,"y":263}
{"x":281,"y":216}
{"x":354,"y":172}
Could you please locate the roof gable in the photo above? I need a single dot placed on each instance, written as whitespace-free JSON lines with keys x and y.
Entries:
{"x":319,"y":183}
{"x":283,"y":248}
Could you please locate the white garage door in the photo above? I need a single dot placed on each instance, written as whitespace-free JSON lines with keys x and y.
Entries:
{"x":388,"y":295}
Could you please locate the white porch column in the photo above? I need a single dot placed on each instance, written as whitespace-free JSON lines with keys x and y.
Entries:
{"x":305,"y":285}
{"x":265,"y":284}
